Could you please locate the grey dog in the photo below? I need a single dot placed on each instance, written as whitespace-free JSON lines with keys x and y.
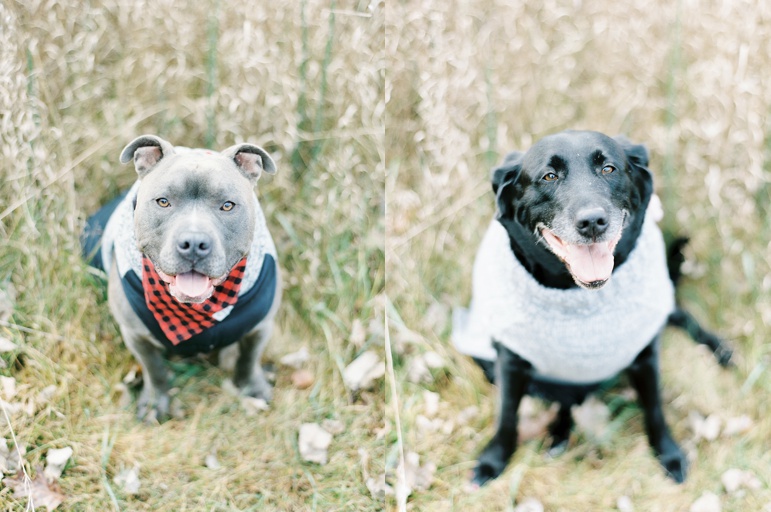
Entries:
{"x":191,"y":264}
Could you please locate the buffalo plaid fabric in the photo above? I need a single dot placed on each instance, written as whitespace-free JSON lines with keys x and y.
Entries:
{"x":181,"y":321}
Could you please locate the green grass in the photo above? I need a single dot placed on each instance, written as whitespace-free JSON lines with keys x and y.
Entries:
{"x":684,"y":80}
{"x":78,"y":83}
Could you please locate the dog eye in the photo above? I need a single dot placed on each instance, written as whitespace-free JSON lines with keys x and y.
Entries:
{"x":227,"y":206}
{"x":608,"y":169}
{"x":163,"y":202}
{"x":550,"y":176}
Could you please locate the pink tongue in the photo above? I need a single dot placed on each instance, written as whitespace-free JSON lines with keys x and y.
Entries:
{"x":590,"y":263}
{"x":192,"y":283}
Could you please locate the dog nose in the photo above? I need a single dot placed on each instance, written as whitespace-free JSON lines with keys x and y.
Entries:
{"x":194,"y":245}
{"x":592,"y":222}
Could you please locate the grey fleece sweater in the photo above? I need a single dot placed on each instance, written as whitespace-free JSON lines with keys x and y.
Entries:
{"x":577,"y":335}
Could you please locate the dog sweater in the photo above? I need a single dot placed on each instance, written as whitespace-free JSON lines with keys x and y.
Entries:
{"x":258,"y":281}
{"x":577,"y":335}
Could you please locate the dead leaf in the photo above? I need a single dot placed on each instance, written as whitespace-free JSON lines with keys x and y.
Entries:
{"x":624,"y":504}
{"x":363,"y":371}
{"x":707,"y":502}
{"x":37,"y":491}
{"x":7,"y":345}
{"x":8,"y":385}
{"x":737,"y":425}
{"x":358,"y":333}
{"x":56,"y":459}
{"x":529,"y":505}
{"x":735,"y":479}
{"x":128,"y":479}
{"x":704,"y":428}
{"x":592,"y":418}
{"x":7,"y":298}
{"x":313,"y":443}
{"x":9,"y":458}
{"x":431,"y":401}
{"x":420,"y":365}
{"x":211,"y":462}
{"x":302,"y":378}
{"x":295,"y":359}
{"x":418,"y":478}
{"x":334,"y":427}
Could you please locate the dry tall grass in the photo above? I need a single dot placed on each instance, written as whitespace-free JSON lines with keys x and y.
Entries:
{"x":302,"y":79}
{"x":468,"y":81}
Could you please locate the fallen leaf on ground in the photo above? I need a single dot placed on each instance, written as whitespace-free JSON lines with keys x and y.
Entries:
{"x":707,"y":502}
{"x":313,"y":443}
{"x":211,"y":462}
{"x":7,"y":298}
{"x":592,"y":417}
{"x":735,"y":479}
{"x":529,"y":505}
{"x":37,"y":491}
{"x":8,"y":385}
{"x":358,"y":333}
{"x":254,"y":406}
{"x":302,"y":378}
{"x":7,"y":345}
{"x":9,"y":458}
{"x":418,"y":478}
{"x":295,"y":359}
{"x":56,"y":459}
{"x":431,"y":402}
{"x":379,"y":488}
{"x":128,"y":479}
{"x":334,"y":427}
{"x":624,"y":504}
{"x":363,"y":371}
{"x":737,"y":425}
{"x":704,"y":428}
{"x":420,"y":366}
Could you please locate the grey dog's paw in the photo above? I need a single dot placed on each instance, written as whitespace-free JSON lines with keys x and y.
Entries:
{"x":153,"y":409}
{"x":257,"y":388}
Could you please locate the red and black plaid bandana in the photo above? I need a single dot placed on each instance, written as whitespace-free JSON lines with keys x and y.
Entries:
{"x":180,"y":321}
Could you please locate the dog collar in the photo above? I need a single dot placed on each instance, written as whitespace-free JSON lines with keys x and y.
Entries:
{"x":180,"y":321}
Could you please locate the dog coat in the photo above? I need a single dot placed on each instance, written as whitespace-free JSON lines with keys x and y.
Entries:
{"x":201,"y":332}
{"x":577,"y":335}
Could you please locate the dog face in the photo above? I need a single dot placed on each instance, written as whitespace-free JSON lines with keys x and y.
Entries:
{"x":194,"y":214}
{"x":577,"y":200}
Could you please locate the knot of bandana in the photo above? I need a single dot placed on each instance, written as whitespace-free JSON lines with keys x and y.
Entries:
{"x":181,"y":321}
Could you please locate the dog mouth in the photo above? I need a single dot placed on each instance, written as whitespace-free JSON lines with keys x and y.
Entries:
{"x":591,"y":265}
{"x":191,"y":287}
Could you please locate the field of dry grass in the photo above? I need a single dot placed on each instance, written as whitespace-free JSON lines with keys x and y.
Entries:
{"x":78,"y":81}
{"x":468,"y":81}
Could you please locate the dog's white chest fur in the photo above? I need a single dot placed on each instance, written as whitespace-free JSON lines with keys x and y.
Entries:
{"x":575,"y":335}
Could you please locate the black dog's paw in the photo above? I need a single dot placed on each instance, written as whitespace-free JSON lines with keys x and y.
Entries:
{"x":675,"y":464}
{"x":723,"y":353}
{"x":491,"y":464}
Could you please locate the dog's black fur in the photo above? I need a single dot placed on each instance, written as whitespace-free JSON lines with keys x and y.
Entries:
{"x":527,"y":200}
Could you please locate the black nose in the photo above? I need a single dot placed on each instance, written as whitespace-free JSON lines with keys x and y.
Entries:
{"x":592,"y":222}
{"x":194,"y":245}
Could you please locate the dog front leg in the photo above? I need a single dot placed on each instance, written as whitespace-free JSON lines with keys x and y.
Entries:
{"x":153,"y":404}
{"x":512,"y":375}
{"x":644,"y":377}
{"x":249,"y":376}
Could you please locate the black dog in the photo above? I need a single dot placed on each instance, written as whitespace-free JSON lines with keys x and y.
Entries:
{"x":572,"y":287}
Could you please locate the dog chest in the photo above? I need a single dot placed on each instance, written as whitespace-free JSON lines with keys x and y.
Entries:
{"x":574,"y":335}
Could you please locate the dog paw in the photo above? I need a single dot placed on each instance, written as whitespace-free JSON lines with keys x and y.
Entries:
{"x":153,"y":410}
{"x":724,"y":355}
{"x":257,"y":388}
{"x":675,"y":464}
{"x":491,"y":464}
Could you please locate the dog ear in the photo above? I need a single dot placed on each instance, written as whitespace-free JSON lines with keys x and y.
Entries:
{"x":637,"y":160}
{"x":503,"y":179}
{"x":146,"y":151}
{"x":251,"y":159}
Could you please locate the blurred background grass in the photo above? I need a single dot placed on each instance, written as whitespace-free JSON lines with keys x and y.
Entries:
{"x":467,"y":82}
{"x":303,"y":79}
